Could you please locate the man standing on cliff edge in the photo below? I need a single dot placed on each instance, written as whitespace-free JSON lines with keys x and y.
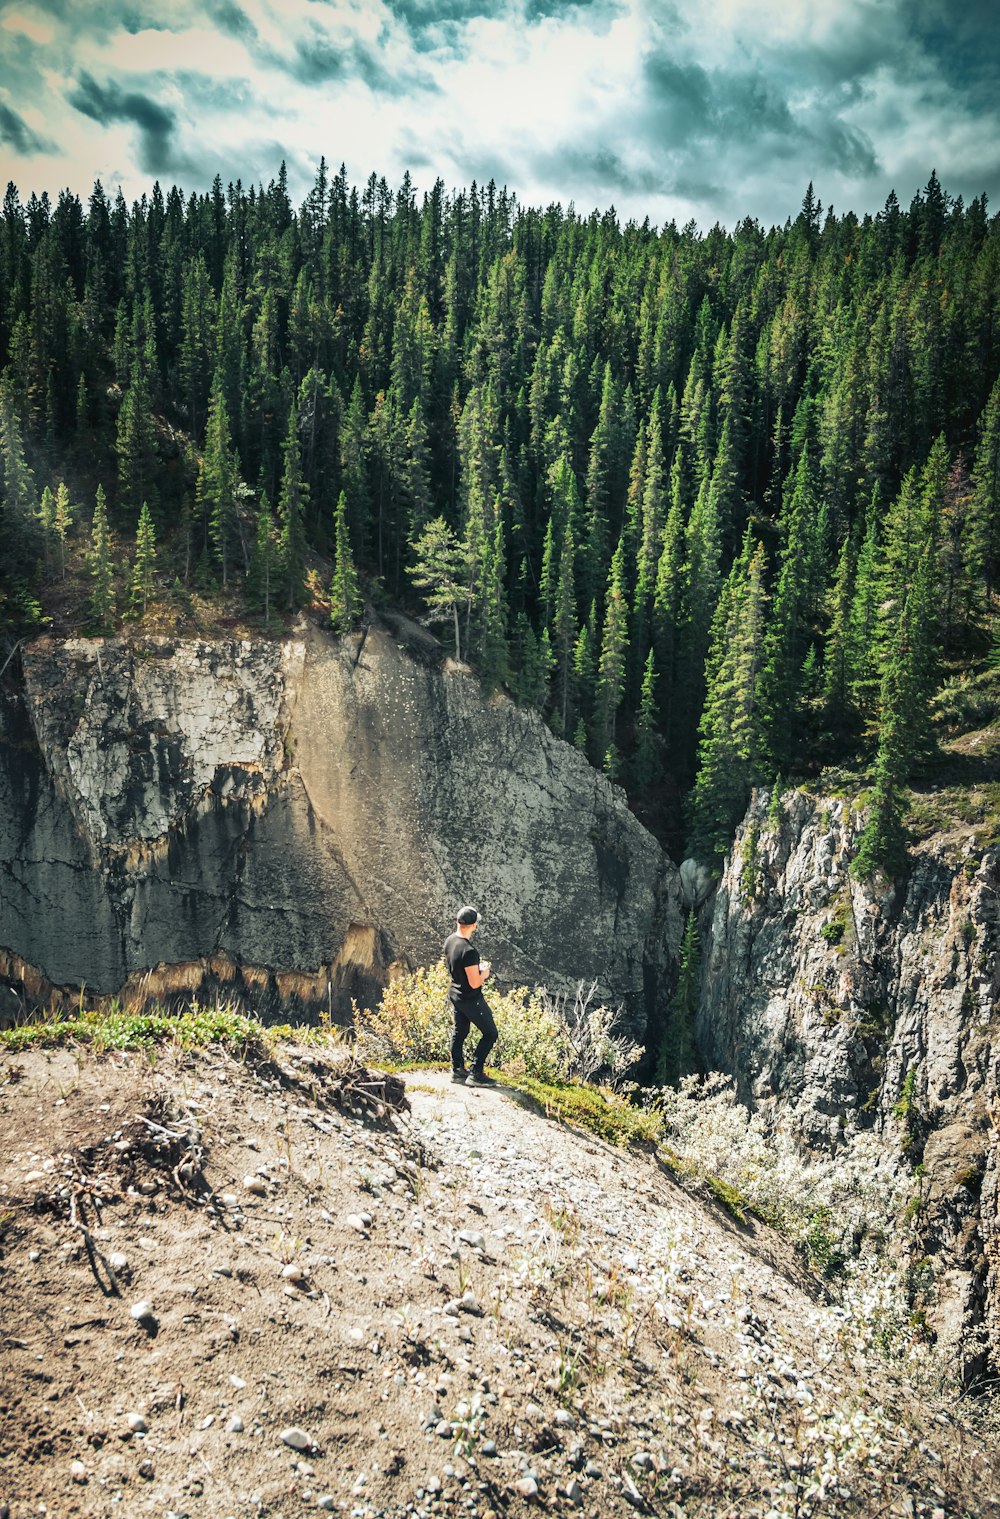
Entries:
{"x":468,"y":1004}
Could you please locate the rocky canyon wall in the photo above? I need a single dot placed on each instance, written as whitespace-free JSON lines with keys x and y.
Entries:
{"x":836,"y":1004}
{"x":292,"y":821}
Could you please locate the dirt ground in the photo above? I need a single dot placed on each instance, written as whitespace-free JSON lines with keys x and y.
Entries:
{"x":251,"y":1289}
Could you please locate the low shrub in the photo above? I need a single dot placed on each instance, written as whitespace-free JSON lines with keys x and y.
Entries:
{"x":542,"y":1037}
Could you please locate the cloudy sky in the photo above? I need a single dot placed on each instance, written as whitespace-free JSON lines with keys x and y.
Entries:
{"x":712,"y":109}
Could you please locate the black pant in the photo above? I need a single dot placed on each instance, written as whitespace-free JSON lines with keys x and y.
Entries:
{"x":467,"y":1013}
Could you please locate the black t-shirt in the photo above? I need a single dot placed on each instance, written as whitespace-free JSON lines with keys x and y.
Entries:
{"x":458,"y":953}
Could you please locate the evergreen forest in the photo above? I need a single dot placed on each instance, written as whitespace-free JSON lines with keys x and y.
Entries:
{"x":723,"y":506}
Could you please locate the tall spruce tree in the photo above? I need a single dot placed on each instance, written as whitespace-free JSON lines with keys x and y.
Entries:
{"x":789,"y":627}
{"x":984,"y":544}
{"x":345,"y":593}
{"x":646,"y":766}
{"x":19,"y":516}
{"x":62,"y":522}
{"x":266,"y":560}
{"x":136,"y":448}
{"x":291,"y":513}
{"x":100,"y":562}
{"x":144,"y":564}
{"x":439,"y":573}
{"x":904,"y":725}
{"x":564,"y":633}
{"x":731,"y":737}
{"x":218,"y":480}
{"x":612,"y":662}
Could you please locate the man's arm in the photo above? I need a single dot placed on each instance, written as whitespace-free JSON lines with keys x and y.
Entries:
{"x":476,"y":974}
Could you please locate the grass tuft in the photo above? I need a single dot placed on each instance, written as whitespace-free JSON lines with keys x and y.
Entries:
{"x":603,"y":1112}
{"x":128,"y":1028}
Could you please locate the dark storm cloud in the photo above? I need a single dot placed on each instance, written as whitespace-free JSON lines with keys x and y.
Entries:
{"x":110,"y":103}
{"x":321,"y":59}
{"x":439,"y":25}
{"x":963,"y":44}
{"x":590,"y":13}
{"x":15,"y":132}
{"x":23,"y":62}
{"x":686,"y":104}
{"x":227,"y":15}
{"x":601,"y":169}
{"x":225,"y":96}
{"x":417,"y":14}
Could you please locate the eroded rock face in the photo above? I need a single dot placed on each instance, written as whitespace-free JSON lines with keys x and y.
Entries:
{"x":292,"y":820}
{"x":839,"y":1006}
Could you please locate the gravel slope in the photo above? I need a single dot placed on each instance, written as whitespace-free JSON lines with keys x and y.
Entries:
{"x":466,"y":1309}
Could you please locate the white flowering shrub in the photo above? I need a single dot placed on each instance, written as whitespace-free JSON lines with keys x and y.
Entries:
{"x":594,"y":1036}
{"x":853,"y":1196}
{"x":841,"y":1209}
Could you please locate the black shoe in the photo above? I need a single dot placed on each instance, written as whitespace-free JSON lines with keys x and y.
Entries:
{"x":460,"y":1076}
{"x":480,"y":1079}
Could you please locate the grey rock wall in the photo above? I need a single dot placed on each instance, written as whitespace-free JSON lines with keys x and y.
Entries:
{"x":291,"y":821}
{"x":821,"y":994}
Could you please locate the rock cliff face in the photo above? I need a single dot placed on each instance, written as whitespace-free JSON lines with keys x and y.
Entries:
{"x":292,"y":821}
{"x":839,"y":1007}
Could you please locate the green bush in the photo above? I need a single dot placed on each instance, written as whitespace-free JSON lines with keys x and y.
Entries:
{"x":115,"y":1027}
{"x":412,"y":1026}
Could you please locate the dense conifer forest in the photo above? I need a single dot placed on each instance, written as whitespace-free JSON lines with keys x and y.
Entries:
{"x":721,"y":505}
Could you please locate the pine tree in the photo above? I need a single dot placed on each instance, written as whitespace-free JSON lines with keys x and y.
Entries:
{"x":549,"y":571}
{"x":863,"y":623}
{"x":731,"y":739}
{"x":197,"y":340}
{"x":47,"y":523}
{"x":654,"y":509}
{"x":668,"y":597}
{"x":82,"y":405}
{"x":564,"y":632}
{"x":19,"y":514}
{"x":700,"y":593}
{"x":101,"y":566}
{"x":144,"y":566}
{"x":218,"y":479}
{"x":345,"y":594}
{"x":677,"y":1054}
{"x":494,"y":652}
{"x":603,"y":465}
{"x":354,"y":470}
{"x":956,"y":588}
{"x":416,"y":471}
{"x":614,"y":650}
{"x":291,"y":513}
{"x":229,"y":344}
{"x":984,"y":537}
{"x":791,"y":615}
{"x":646,"y":760}
{"x":136,"y":448}
{"x":584,"y":678}
{"x":266,"y":560}
{"x":62,"y":523}
{"x":439,"y":573}
{"x":904,"y":727}
{"x":840,"y":656}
